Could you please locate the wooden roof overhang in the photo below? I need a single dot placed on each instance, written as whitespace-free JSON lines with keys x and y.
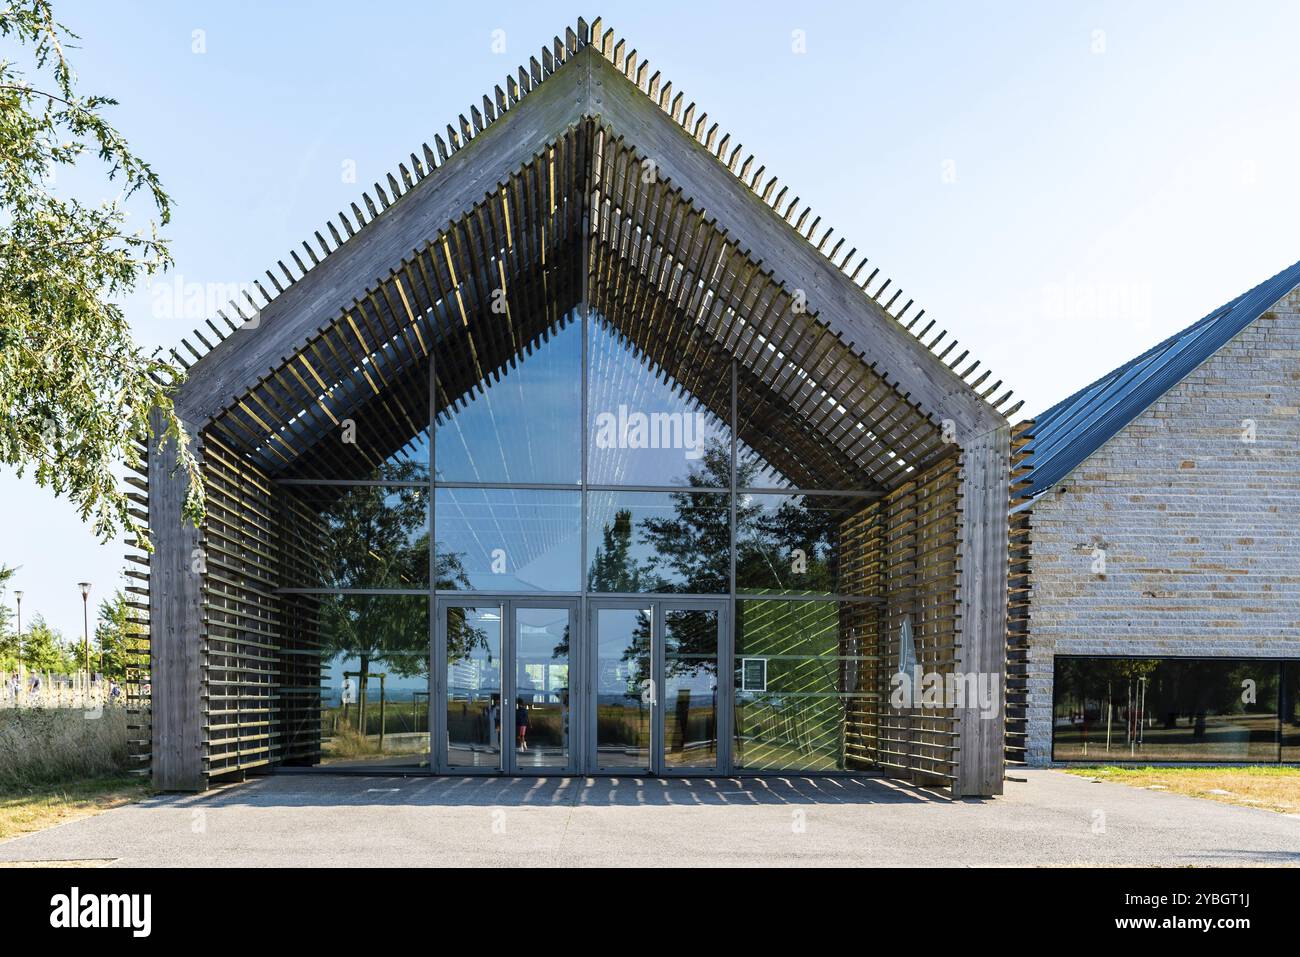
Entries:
{"x":545,"y":193}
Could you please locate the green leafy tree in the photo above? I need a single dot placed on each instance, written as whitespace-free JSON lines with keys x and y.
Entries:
{"x":76,"y":389}
{"x":378,"y":537}
{"x":374,"y":536}
{"x":693,"y":547}
{"x":118,"y":635}
{"x":8,"y":634}
{"x":45,"y":650}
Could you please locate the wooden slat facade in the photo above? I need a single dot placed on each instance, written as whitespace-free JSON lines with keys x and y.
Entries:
{"x":587,"y":219}
{"x":1018,"y":594}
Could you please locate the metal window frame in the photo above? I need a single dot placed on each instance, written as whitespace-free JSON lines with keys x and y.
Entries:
{"x":584,"y":605}
{"x":658,"y":606}
{"x":507,"y":759}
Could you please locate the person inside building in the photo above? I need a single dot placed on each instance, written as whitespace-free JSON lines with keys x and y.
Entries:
{"x":521,"y":724}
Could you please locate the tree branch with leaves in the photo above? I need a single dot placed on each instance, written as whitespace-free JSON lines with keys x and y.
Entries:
{"x":75,"y":388}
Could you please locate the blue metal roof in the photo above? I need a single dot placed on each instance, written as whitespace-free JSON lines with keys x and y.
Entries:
{"x":1073,"y":429}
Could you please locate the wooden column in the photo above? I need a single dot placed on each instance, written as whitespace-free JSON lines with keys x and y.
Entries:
{"x":175,"y":625}
{"x":982,"y":602}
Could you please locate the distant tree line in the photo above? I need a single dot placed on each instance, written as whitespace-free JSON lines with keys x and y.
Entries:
{"x":47,"y":649}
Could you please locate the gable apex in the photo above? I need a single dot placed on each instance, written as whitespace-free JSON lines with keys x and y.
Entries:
{"x":589,"y":76}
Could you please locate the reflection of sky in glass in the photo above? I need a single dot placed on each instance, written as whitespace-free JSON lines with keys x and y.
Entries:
{"x":523,"y":427}
{"x":405,"y":678}
{"x":541,"y":652}
{"x":512,"y":539}
{"x":476,"y":672}
{"x":643,"y":429}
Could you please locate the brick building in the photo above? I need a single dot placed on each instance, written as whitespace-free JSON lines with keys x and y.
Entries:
{"x":1164,"y":506}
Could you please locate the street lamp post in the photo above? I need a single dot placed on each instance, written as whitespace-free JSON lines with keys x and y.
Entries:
{"x":85,"y":632}
{"x":19,"y":596}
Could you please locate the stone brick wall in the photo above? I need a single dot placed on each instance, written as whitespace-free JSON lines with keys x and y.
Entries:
{"x":1200,"y":529}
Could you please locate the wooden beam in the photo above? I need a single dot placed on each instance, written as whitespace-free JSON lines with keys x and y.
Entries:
{"x":175,"y":625}
{"x":982,"y":596}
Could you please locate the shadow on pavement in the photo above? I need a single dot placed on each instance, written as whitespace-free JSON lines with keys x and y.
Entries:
{"x":324,"y":790}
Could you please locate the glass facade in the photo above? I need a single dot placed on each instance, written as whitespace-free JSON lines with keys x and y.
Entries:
{"x":646,"y":427}
{"x":522,"y":425}
{"x":802,"y":680}
{"x":640,"y":542}
{"x":564,"y":479}
{"x":355,"y":536}
{"x":791,"y":544}
{"x":509,"y":540}
{"x":359,"y":679}
{"x":691,"y":688}
{"x":544,"y":722}
{"x":1189,"y":710}
{"x":1289,"y":711}
{"x":623,"y":678}
{"x":475,"y":717}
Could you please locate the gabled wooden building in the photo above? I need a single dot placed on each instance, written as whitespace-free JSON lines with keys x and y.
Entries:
{"x":579,"y":446}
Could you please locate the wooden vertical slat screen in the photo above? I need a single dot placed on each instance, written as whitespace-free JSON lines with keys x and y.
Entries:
{"x":301,"y":671}
{"x":906,"y":546}
{"x":137,"y":686}
{"x":914,"y":537}
{"x":862,"y":571}
{"x":1018,"y":596}
{"x":241,"y":614}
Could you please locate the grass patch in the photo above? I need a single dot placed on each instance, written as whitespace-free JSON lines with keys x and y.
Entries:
{"x":23,"y":810}
{"x":1271,"y":787}
{"x":40,"y":746}
{"x":59,"y":764}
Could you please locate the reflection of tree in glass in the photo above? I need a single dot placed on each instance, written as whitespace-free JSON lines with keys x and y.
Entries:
{"x":1199,"y":688}
{"x":691,"y":552}
{"x":692,"y":546}
{"x":691,"y":643}
{"x":768,"y":540}
{"x":613,"y":569}
{"x":391,"y":631}
{"x":1094,"y":678}
{"x":561,"y":650}
{"x":462,"y":637}
{"x":1165,"y":691}
{"x":376,"y":536}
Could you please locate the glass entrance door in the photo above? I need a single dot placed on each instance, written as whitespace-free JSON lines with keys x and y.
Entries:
{"x":504,"y":686}
{"x":656,"y":690}
{"x":544,"y":636}
{"x":622,"y":686}
{"x":691,"y":687}
{"x":471,"y":673}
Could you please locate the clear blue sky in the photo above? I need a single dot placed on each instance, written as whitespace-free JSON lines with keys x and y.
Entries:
{"x":1061,"y":185}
